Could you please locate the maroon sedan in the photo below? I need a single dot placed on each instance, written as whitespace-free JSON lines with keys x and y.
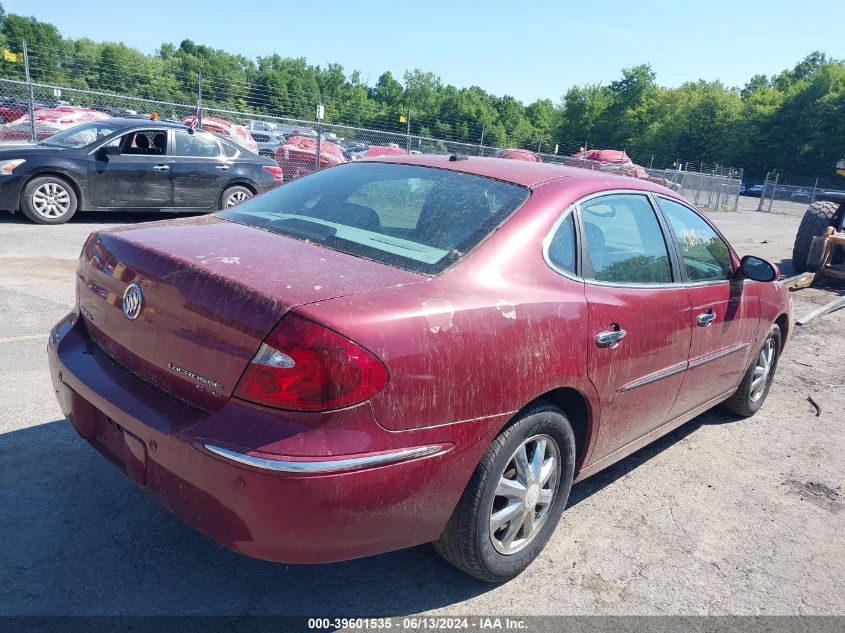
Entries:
{"x":409,"y":349}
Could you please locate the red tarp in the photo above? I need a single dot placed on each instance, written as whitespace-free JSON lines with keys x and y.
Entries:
{"x":221,"y":127}
{"x":382,"y":150}
{"x":298,"y":155}
{"x":49,"y":121}
{"x":611,"y":160}
{"x":518,"y":154}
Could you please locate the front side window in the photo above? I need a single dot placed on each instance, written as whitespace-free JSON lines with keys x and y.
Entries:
{"x":420,"y":219}
{"x":705,"y":254}
{"x":624,"y":242}
{"x":144,"y":142}
{"x":197,"y":145}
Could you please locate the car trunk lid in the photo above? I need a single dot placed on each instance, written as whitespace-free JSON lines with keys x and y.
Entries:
{"x":211,"y":291}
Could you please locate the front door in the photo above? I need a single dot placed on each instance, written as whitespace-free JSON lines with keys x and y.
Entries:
{"x":200,"y":170}
{"x":137,"y":176}
{"x":638,"y":317}
{"x":723,"y":315}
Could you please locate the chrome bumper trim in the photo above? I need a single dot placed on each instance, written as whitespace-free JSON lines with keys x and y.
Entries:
{"x":326,"y":466}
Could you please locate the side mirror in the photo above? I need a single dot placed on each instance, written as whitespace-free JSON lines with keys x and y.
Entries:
{"x":109,"y":150}
{"x":758,"y":269}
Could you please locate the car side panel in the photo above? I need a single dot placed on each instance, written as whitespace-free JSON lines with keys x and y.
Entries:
{"x":69,"y":164}
{"x":454,"y":355}
{"x":719,"y":352}
{"x":638,"y":378}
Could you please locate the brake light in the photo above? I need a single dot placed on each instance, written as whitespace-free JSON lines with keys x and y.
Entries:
{"x":275,"y":171}
{"x":304,"y":366}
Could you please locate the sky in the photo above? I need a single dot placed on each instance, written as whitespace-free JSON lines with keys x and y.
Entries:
{"x":529,"y":50}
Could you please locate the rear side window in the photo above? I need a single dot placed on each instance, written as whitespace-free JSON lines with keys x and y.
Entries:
{"x":624,"y":241}
{"x":230,"y":150}
{"x":706,"y":255}
{"x":561,"y":251}
{"x":196,"y":145}
{"x":421,"y":219}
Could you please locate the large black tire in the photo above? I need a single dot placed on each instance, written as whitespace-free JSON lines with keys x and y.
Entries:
{"x":467,"y":541}
{"x":746,"y":402}
{"x":818,"y":216}
{"x":48,"y":200}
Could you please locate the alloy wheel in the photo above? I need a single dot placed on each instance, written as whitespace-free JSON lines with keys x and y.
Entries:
{"x":762,"y":370}
{"x":236,"y":198}
{"x":51,"y":200}
{"x":524,"y":494}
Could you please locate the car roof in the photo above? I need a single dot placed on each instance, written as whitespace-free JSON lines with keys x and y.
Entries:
{"x":145,"y":122}
{"x":519,"y":172}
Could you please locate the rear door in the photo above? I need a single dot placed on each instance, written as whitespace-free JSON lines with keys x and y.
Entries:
{"x":137,"y":177}
{"x":200,"y":170}
{"x":638,"y":316}
{"x":722,"y":308}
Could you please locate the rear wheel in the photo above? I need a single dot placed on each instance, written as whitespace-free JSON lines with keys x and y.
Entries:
{"x":515,"y":497}
{"x":234,"y":196}
{"x":818,"y":216}
{"x":48,"y":200}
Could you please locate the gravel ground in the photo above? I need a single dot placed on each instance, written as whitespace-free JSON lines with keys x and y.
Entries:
{"x":722,"y":516}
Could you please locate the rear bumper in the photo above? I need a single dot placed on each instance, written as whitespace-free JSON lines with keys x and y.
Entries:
{"x":306,"y":506}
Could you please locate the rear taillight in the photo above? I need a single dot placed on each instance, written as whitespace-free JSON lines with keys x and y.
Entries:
{"x":275,"y":171}
{"x":304,"y":366}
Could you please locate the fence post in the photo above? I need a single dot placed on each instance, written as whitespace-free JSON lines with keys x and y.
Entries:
{"x":199,"y":100}
{"x":815,"y":186}
{"x":320,"y":112}
{"x":774,"y":191}
{"x":408,"y":133}
{"x":741,"y":177}
{"x":481,"y":143}
{"x":763,"y":192}
{"x":31,"y":96}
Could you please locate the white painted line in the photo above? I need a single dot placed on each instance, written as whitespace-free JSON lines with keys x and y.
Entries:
{"x":29,"y":337}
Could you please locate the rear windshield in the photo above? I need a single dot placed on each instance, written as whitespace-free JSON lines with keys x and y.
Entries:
{"x":420,"y":219}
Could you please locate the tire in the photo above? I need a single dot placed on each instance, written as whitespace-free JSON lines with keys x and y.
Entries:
{"x":234,"y":195}
{"x":817,"y":218}
{"x":48,"y":200}
{"x":747,"y":400}
{"x":467,"y":541}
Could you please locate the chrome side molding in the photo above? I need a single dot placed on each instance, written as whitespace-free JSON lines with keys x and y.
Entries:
{"x":326,"y":466}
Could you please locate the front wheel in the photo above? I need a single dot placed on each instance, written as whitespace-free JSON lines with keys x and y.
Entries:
{"x":758,"y":379}
{"x":515,"y":497}
{"x":234,"y":196}
{"x":48,"y":200}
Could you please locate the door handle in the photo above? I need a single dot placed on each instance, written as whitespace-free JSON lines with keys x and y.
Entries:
{"x":161,"y":167}
{"x":706,"y":318}
{"x":222,"y":167}
{"x":610,"y":338}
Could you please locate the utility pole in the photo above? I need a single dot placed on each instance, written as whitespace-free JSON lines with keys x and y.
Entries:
{"x":31,"y":95}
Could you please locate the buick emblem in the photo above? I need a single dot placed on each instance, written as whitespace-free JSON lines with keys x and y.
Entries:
{"x":133,"y":301}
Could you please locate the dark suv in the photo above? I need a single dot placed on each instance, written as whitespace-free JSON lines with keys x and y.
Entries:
{"x":124,"y":164}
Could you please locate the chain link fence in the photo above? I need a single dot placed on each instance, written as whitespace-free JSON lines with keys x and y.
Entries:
{"x":788,"y":196}
{"x":301,"y":146}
